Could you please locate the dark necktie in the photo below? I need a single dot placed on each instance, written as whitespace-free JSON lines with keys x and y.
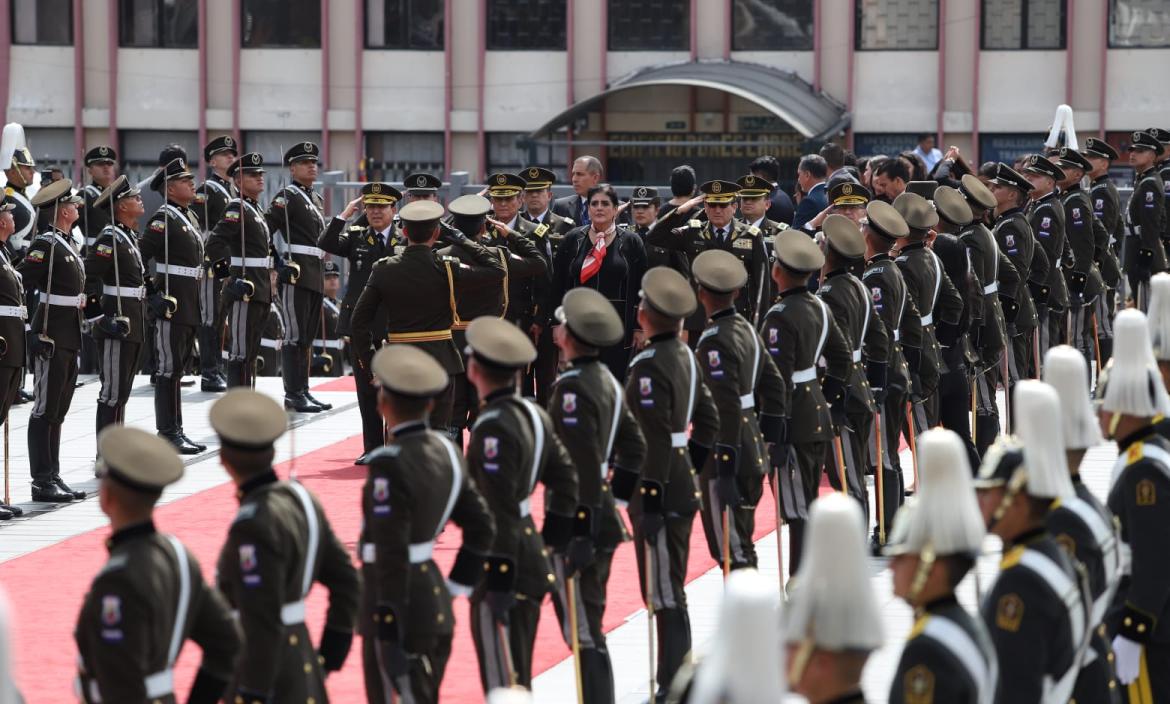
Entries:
{"x":584,"y":213}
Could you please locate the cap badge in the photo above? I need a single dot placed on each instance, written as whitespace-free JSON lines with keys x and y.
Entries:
{"x":309,"y":147}
{"x":642,"y":192}
{"x":847,"y":189}
{"x":228,"y":141}
{"x":1034,"y":159}
{"x":1137,"y":136}
{"x":255,"y":158}
{"x":420,"y":181}
{"x":376,"y":188}
{"x":500,"y":180}
{"x":750,"y":181}
{"x":104,"y":151}
{"x":533,"y":172}
{"x":716,"y":187}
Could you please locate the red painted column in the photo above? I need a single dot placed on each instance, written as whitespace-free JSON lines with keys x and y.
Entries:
{"x":448,"y":97}
{"x":359,"y":43}
{"x":112,"y":75}
{"x":78,"y":90}
{"x":942,"y":71}
{"x":975,"y":59}
{"x":5,"y":55}
{"x":237,"y":56}
{"x":201,"y":30}
{"x":480,"y":77}
{"x":325,"y":81}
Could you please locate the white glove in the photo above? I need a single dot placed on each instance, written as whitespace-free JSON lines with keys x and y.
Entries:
{"x":1127,"y":657}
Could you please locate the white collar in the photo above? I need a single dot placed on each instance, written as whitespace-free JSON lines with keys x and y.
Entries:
{"x":540,"y":217}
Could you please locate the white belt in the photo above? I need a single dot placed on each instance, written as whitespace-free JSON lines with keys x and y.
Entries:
{"x":191,"y":272}
{"x":991,"y":288}
{"x":270,"y":343}
{"x":293,"y":613}
{"x":66,"y":301}
{"x":747,"y":401}
{"x":856,"y":355}
{"x":421,"y":552}
{"x":137,"y":292}
{"x":255,"y":262}
{"x":332,"y":344}
{"x":525,"y":508}
{"x":678,"y":439}
{"x":367,"y":553}
{"x":160,"y":684}
{"x":306,"y":250}
{"x":927,"y":319}
{"x":897,"y":335}
{"x":13,"y":312}
{"x":802,"y":376}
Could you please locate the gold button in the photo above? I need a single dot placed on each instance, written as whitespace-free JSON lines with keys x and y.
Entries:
{"x":437,"y":590}
{"x":239,"y":700}
{"x":1109,"y":657}
{"x":818,"y":428}
{"x":654,"y":492}
{"x":487,"y":566}
{"x":310,"y":700}
{"x":680,"y":450}
{"x":440,"y":618}
{"x":552,"y":578}
{"x":1141,"y":628}
{"x":1128,"y":621}
{"x":726,"y":458}
{"x":580,"y":515}
{"x":424,"y":568}
{"x":698,"y":494}
{"x":292,"y":639}
{"x":503,"y":568}
{"x":527,"y":530}
{"x":320,"y":660}
{"x":1112,"y":684}
{"x":308,"y":668}
{"x":389,"y":618}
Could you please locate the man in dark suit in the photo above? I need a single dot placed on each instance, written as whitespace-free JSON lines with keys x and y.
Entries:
{"x":810,"y":178}
{"x":780,"y":208}
{"x":587,"y":173}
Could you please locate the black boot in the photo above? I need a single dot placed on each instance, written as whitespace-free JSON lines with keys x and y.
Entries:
{"x":674,"y":645}
{"x":306,"y":360}
{"x":179,"y":423}
{"x":796,"y":545}
{"x":236,"y":374}
{"x":60,"y":484}
{"x":106,"y":416}
{"x":41,"y":464}
{"x":55,"y":455}
{"x":13,"y":511}
{"x":293,"y":371}
{"x":597,"y":676}
{"x":166,"y":397}
{"x":209,"y":358}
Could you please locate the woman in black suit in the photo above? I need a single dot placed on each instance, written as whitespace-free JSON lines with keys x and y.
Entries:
{"x":609,"y":258}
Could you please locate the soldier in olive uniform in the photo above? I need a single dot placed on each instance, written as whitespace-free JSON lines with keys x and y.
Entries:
{"x":589,"y":413}
{"x":241,"y":254}
{"x":101,"y":163}
{"x":1143,"y":253}
{"x":755,"y":195}
{"x":948,"y":656}
{"x":114,"y":286}
{"x":416,"y":484}
{"x":674,"y":231}
{"x":671,"y":398}
{"x":279,"y":544}
{"x":362,"y":246}
{"x":53,"y":267}
{"x":1107,"y":211}
{"x":174,"y":241}
{"x":271,"y":339}
{"x":737,"y":370}
{"x":798,"y":331}
{"x":1014,"y":237}
{"x":513,"y":445}
{"x":211,"y":201}
{"x":13,"y":313}
{"x":521,"y":259}
{"x":1046,"y":216}
{"x":1163,"y":166}
{"x":432,"y":284}
{"x":1036,"y":611}
{"x":296,"y":213}
{"x":858,"y":319}
{"x":328,"y":354}
{"x":883,"y":228}
{"x":644,"y":203}
{"x":150,"y":596}
{"x":1082,"y":232}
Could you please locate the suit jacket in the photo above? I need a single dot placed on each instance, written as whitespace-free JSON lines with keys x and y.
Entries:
{"x":569,"y":207}
{"x":810,"y":205}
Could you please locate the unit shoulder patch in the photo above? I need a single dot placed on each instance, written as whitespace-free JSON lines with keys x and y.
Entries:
{"x":1009,"y":612}
{"x":918,"y":685}
{"x":1147,"y":494}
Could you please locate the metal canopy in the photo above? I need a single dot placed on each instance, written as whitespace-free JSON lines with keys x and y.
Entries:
{"x":783,"y":93}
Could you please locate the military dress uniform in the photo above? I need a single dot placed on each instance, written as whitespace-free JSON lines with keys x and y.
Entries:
{"x":737,"y":371}
{"x":589,"y":413}
{"x":512,"y":446}
{"x":434,"y":284}
{"x":296,"y":213}
{"x":115,"y":289}
{"x":538,"y":179}
{"x":363,"y":246}
{"x":211,"y":201}
{"x":279,"y":544}
{"x":1014,"y":237}
{"x":667,"y":384}
{"x":173,"y":240}
{"x":415,"y":485}
{"x":1143,"y":252}
{"x":1107,"y":212}
{"x":149,"y":597}
{"x":54,"y":342}
{"x":271,"y":339}
{"x":13,"y":314}
{"x":655,"y":255}
{"x":94,"y":217}
{"x":25,"y":215}
{"x":1047,"y":219}
{"x":243,"y":226}
{"x":752,"y":186}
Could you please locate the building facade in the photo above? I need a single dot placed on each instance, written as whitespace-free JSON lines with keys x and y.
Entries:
{"x":390,"y":86}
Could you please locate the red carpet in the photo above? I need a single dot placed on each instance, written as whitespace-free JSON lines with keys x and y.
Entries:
{"x":341,"y":383}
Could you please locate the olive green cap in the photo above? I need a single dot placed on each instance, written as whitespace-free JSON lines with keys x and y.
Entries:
{"x":797,"y":252}
{"x":421,"y":211}
{"x":470,"y":205}
{"x":590,"y":317}
{"x":719,"y":271}
{"x":499,"y":343}
{"x":977,"y":192}
{"x":952,"y":206}
{"x":247,"y":420}
{"x":916,"y":211}
{"x":408,"y":371}
{"x":137,"y":459}
{"x":885,"y":220}
{"x":57,"y":191}
{"x":844,"y":236}
{"x":666,"y":291}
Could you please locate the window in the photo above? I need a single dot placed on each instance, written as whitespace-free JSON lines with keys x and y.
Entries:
{"x":404,"y":24}
{"x":897,"y":24}
{"x":649,"y":25}
{"x":772,"y":25}
{"x":393,"y":155}
{"x":1139,"y":23}
{"x":526,"y":24}
{"x":1023,"y":24}
{"x":506,"y":152}
{"x":143,"y":146}
{"x":42,"y":22}
{"x":163,"y":23}
{"x":1009,"y":146}
{"x":281,"y":23}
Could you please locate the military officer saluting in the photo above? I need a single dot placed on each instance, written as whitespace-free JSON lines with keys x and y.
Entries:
{"x":1107,"y":210}
{"x":512,"y":447}
{"x":114,"y":286}
{"x":173,"y":240}
{"x":593,"y":421}
{"x":102,"y":164}
{"x":798,"y":331}
{"x":53,"y":267}
{"x":211,"y":201}
{"x":150,"y":595}
{"x":362,"y":245}
{"x":416,"y":484}
{"x":241,"y":254}
{"x":738,"y":371}
{"x":279,"y":545}
{"x":671,"y":398}
{"x":936,"y":540}
{"x":1144,"y":255}
{"x":434,"y":284}
{"x":296,"y":213}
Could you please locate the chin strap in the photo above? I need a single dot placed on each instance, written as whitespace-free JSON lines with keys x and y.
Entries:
{"x":1014,"y":486}
{"x":926,"y":560}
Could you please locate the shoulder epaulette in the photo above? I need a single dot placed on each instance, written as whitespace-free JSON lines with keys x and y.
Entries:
{"x":1134,"y":453}
{"x":753,"y":230}
{"x":874,"y":270}
{"x":1011,"y":558}
{"x":568,"y":374}
{"x":539,"y":232}
{"x":570,"y":221}
{"x":697,"y":224}
{"x":115,"y":562}
{"x":485,"y":416}
{"x":246,"y":512}
{"x":386,"y":452}
{"x":713,"y":330}
{"x":644,"y":354}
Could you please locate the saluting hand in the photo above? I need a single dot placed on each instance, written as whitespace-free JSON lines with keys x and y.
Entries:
{"x":690,"y":204}
{"x":500,"y":227}
{"x":351,"y":208}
